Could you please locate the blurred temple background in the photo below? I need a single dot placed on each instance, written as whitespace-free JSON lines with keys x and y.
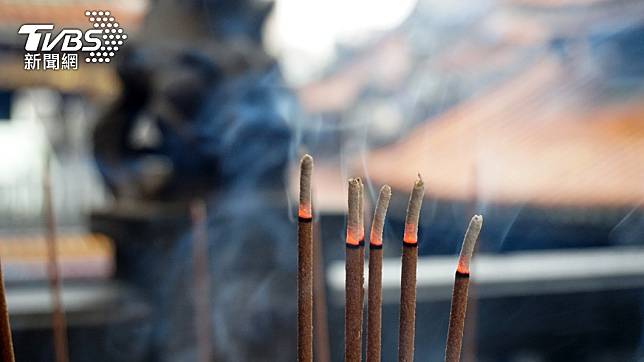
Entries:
{"x":530,"y":112}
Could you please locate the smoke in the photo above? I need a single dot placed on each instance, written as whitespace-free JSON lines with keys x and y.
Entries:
{"x":250,"y":133}
{"x":628,"y":230}
{"x":250,"y":236}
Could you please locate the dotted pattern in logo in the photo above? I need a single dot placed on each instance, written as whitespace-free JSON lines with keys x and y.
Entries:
{"x":113,"y":36}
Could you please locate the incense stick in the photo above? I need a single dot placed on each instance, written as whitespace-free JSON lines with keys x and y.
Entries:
{"x":59,"y":324}
{"x":374,"y":314}
{"x":468,"y":350}
{"x":408,"y":275}
{"x":322,"y":349}
{"x":5,"y":328}
{"x":202,"y":281}
{"x":354,"y":277}
{"x":459,"y":295}
{"x":305,"y":264}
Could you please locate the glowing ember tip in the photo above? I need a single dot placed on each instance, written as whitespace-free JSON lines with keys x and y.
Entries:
{"x":471,"y":236}
{"x":379,"y":214}
{"x":413,"y":211}
{"x":353,"y":216}
{"x":306,"y":170}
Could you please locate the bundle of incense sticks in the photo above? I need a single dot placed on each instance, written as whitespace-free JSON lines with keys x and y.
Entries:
{"x":354,"y":274}
{"x":354,"y":277}
{"x":459,"y":294}
{"x":305,"y":264}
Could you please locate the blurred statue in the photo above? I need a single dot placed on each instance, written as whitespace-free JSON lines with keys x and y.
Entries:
{"x":203,"y":114}
{"x":144,"y":144}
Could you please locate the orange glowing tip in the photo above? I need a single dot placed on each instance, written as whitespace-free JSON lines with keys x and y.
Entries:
{"x":413,"y":212}
{"x":411,"y":234}
{"x":306,"y":170}
{"x":353,"y":214}
{"x":378,"y":223}
{"x":351,"y":239}
{"x":471,"y":235}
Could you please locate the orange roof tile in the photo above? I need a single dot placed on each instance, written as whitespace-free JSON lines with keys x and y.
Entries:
{"x":532,"y":140}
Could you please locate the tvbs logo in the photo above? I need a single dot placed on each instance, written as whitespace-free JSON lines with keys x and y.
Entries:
{"x":47,"y":50}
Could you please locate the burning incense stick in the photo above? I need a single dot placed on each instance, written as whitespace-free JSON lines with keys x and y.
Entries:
{"x":374,"y":316}
{"x":202,"y":281}
{"x":408,"y":275}
{"x":468,"y":350}
{"x":354,"y":277}
{"x":305,"y":264}
{"x":59,"y":324}
{"x":459,"y":295}
{"x":5,"y":328}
